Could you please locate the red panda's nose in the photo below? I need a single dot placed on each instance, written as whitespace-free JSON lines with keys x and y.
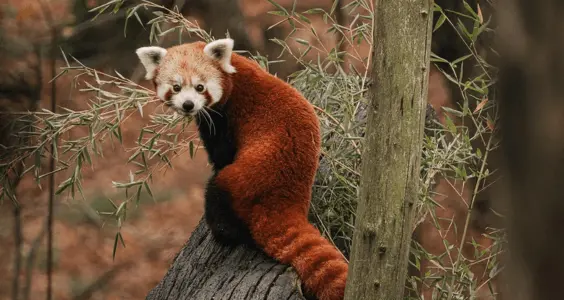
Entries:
{"x":188,"y":105}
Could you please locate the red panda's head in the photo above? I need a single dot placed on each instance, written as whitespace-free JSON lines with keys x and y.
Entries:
{"x":190,"y":77}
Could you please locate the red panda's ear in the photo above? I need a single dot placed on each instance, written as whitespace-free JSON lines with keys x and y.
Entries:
{"x":150,"y":57}
{"x":221,"y":50}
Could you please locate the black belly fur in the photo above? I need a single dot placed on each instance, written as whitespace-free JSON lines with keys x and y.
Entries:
{"x":219,"y":142}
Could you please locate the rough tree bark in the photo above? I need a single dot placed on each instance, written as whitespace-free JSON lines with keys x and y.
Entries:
{"x":205,"y":270}
{"x":532,"y":119}
{"x":392,"y":150}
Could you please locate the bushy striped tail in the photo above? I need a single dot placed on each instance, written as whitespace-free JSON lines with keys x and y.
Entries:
{"x":291,"y":239}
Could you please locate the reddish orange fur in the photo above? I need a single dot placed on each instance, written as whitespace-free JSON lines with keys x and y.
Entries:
{"x":271,"y":191}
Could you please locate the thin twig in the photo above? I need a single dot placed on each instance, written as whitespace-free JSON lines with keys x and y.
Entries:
{"x":51,"y":180}
{"x":100,"y":20}
{"x":51,"y":24}
{"x":100,"y":282}
{"x":340,"y":18}
{"x":30,"y":261}
{"x":18,"y":239}
{"x":18,"y":235}
{"x":139,"y":71}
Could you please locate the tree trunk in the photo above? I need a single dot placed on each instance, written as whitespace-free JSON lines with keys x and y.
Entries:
{"x":392,"y":150}
{"x":206,"y":270}
{"x":532,"y":119}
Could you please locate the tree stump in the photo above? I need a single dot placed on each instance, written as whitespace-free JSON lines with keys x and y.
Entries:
{"x":206,"y":270}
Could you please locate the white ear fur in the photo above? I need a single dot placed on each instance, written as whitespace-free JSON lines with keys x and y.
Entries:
{"x":221,"y":50}
{"x":150,"y":57}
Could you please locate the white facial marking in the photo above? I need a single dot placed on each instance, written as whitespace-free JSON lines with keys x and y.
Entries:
{"x":179,"y":80}
{"x":162,"y":89}
{"x":150,"y":57}
{"x":215,"y":89}
{"x":190,"y":71}
{"x":221,"y":51}
{"x":189,"y":94}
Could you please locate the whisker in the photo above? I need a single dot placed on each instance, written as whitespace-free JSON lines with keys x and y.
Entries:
{"x":204,"y":117}
{"x":211,"y":120}
{"x":210,"y":115}
{"x":198,"y":121}
{"x":213,"y":111}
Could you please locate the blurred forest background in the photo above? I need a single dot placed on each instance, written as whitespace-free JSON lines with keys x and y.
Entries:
{"x":34,"y":34}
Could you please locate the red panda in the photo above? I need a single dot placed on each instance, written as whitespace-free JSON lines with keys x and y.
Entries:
{"x":263,"y":141}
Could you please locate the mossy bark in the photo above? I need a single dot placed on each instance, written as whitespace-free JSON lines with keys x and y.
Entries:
{"x":392,"y":150}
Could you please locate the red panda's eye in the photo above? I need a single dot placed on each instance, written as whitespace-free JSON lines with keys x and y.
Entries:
{"x":199,"y":88}
{"x":176,"y":88}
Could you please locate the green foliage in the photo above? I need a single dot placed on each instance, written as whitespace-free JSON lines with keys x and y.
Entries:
{"x":99,"y":209}
{"x":449,"y":151}
{"x":342,"y":124}
{"x":340,"y":98}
